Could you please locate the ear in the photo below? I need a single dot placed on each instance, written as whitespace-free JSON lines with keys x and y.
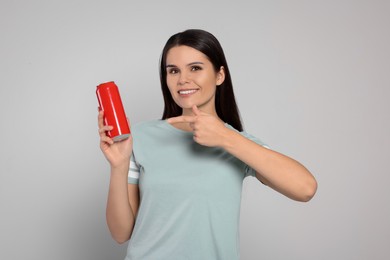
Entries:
{"x":220,"y":76}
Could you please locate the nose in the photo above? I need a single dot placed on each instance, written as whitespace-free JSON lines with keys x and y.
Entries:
{"x":183,"y":78}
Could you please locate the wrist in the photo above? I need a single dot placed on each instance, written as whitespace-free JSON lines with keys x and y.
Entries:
{"x":120,"y":167}
{"x":228,"y":139}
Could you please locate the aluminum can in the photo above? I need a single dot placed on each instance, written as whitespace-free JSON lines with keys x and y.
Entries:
{"x":114,"y":113}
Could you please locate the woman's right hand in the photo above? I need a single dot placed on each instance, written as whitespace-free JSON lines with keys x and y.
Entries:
{"x":117,"y":153}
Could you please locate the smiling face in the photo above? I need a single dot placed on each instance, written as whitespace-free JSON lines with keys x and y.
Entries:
{"x":192,"y":79}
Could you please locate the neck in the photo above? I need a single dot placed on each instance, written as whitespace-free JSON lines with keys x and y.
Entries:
{"x":206,"y":109}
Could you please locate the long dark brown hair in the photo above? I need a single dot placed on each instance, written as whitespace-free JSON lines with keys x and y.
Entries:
{"x":205,"y":42}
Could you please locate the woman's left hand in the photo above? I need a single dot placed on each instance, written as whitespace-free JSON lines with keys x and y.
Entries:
{"x":207,"y":129}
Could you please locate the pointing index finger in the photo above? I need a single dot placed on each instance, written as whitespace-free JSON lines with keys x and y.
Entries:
{"x":196,"y":110}
{"x":181,"y":119}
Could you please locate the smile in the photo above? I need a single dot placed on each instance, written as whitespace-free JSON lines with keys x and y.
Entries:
{"x":187,"y":91}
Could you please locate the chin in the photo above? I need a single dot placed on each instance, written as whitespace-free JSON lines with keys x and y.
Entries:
{"x":186,"y":106}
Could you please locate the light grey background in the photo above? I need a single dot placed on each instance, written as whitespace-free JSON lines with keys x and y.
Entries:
{"x":311,"y":80}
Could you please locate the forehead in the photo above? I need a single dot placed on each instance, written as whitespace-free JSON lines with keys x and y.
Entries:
{"x":184,"y":54}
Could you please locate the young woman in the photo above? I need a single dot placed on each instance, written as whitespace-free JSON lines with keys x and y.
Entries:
{"x":175,"y":186}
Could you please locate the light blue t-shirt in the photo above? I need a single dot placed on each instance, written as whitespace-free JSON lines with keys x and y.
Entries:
{"x":189,"y":196}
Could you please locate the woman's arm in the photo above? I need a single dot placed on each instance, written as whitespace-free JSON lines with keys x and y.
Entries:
{"x":122,"y":205}
{"x":276,"y":170}
{"x":123,"y":198}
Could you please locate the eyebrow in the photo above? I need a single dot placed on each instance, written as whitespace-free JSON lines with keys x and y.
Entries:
{"x":189,"y":64}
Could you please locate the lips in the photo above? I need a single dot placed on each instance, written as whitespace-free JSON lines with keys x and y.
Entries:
{"x":187,"y":91}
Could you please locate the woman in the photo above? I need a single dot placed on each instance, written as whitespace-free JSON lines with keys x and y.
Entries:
{"x":178,"y":196}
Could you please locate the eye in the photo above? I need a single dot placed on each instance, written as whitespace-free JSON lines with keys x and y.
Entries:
{"x":173,"y":70}
{"x":195,"y":68}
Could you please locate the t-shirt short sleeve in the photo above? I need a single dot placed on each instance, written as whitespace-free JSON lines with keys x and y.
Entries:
{"x":248,"y":170}
{"x":134,"y":171}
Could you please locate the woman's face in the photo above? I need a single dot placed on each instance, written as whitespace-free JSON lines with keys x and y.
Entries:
{"x":191,"y":79}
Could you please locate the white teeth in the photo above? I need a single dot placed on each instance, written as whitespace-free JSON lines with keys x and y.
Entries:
{"x":186,"y":92}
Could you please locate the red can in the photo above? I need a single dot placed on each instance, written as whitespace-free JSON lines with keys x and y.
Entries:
{"x":114,"y":114}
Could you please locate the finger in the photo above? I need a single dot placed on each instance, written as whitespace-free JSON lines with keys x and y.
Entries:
{"x":196,"y":110}
{"x":100,"y":119}
{"x":182,"y":119}
{"x":104,"y":129}
{"x":106,"y":139}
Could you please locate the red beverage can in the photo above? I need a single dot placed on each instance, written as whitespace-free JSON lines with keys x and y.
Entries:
{"x":114,"y":114}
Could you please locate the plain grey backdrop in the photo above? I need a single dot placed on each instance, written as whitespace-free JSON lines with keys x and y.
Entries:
{"x":311,"y":80}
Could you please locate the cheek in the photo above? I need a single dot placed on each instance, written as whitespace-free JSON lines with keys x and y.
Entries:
{"x":211,"y":82}
{"x":169,"y":83}
{"x":203,"y":80}
{"x":171,"y":89}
